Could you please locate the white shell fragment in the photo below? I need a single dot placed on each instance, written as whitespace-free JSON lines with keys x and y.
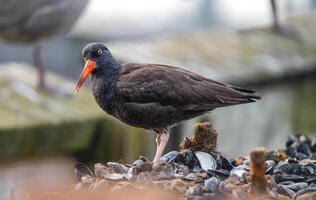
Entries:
{"x":206,"y":160}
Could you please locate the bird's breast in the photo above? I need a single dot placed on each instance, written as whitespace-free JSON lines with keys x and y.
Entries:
{"x":104,"y":94}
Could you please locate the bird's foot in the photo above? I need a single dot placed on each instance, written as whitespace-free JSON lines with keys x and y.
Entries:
{"x":161,"y":141}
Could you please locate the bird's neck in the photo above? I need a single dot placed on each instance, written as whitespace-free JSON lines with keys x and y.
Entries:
{"x":103,"y":83}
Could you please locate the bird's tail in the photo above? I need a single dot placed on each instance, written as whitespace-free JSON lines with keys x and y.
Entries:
{"x":249,"y":93}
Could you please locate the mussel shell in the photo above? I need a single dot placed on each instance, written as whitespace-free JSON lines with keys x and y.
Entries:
{"x":206,"y":160}
{"x":290,"y":168}
{"x":297,"y":186}
{"x":169,"y":157}
{"x":223,"y":163}
{"x":81,"y":170}
{"x":270,"y":164}
{"x":285,"y":191}
{"x":220,"y":173}
{"x":287,"y":177}
{"x":187,"y":158}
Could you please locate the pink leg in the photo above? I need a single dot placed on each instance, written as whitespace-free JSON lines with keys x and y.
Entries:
{"x":161,"y":141}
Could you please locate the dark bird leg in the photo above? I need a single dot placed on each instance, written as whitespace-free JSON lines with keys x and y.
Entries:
{"x":41,"y":82}
{"x":161,"y":141}
{"x":38,"y":62}
{"x":279,"y":29}
{"x":276,"y":24}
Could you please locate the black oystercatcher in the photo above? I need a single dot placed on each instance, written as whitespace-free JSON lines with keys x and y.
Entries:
{"x":154,"y":96}
{"x":29,"y":21}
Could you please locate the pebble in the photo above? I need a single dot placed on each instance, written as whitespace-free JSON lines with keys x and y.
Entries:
{"x":211,"y":184}
{"x":290,"y":174}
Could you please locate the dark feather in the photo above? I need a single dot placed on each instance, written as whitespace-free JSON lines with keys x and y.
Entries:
{"x":156,"y":95}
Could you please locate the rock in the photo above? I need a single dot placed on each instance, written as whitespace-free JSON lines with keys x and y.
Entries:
{"x":87,"y":179}
{"x":181,"y":169}
{"x":179,"y":185}
{"x":194,"y":190}
{"x":100,"y":185}
{"x":165,"y":173}
{"x":144,"y":177}
{"x":207,"y":161}
{"x":122,"y":186}
{"x":191,"y":177}
{"x":307,"y":196}
{"x":238,"y":175}
{"x":211,"y":184}
{"x":225,"y":188}
{"x":79,"y":186}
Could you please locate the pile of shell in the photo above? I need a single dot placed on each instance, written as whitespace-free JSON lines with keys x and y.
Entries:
{"x":198,"y":171}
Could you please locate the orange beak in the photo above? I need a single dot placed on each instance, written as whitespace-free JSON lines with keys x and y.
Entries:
{"x":88,"y":68}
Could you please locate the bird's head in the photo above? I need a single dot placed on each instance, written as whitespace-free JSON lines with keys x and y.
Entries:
{"x":97,"y":57}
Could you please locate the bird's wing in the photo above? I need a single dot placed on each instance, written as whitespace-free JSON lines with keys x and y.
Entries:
{"x":171,"y":86}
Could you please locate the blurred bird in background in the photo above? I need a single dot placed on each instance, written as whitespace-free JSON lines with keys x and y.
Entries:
{"x":28,"y":22}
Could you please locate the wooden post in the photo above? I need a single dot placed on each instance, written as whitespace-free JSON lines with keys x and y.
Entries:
{"x":257,"y":170}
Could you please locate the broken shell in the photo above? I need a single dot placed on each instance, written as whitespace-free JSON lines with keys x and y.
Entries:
{"x":178,"y":185}
{"x":138,"y":162}
{"x":143,"y":177}
{"x":81,"y":170}
{"x":117,"y":168}
{"x":114,"y":176}
{"x":131,"y":174}
{"x":207,"y":161}
{"x":100,"y":184}
{"x":122,"y":186}
{"x":100,"y":170}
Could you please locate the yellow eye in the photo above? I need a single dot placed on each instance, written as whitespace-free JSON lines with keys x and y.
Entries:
{"x":99,"y":52}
